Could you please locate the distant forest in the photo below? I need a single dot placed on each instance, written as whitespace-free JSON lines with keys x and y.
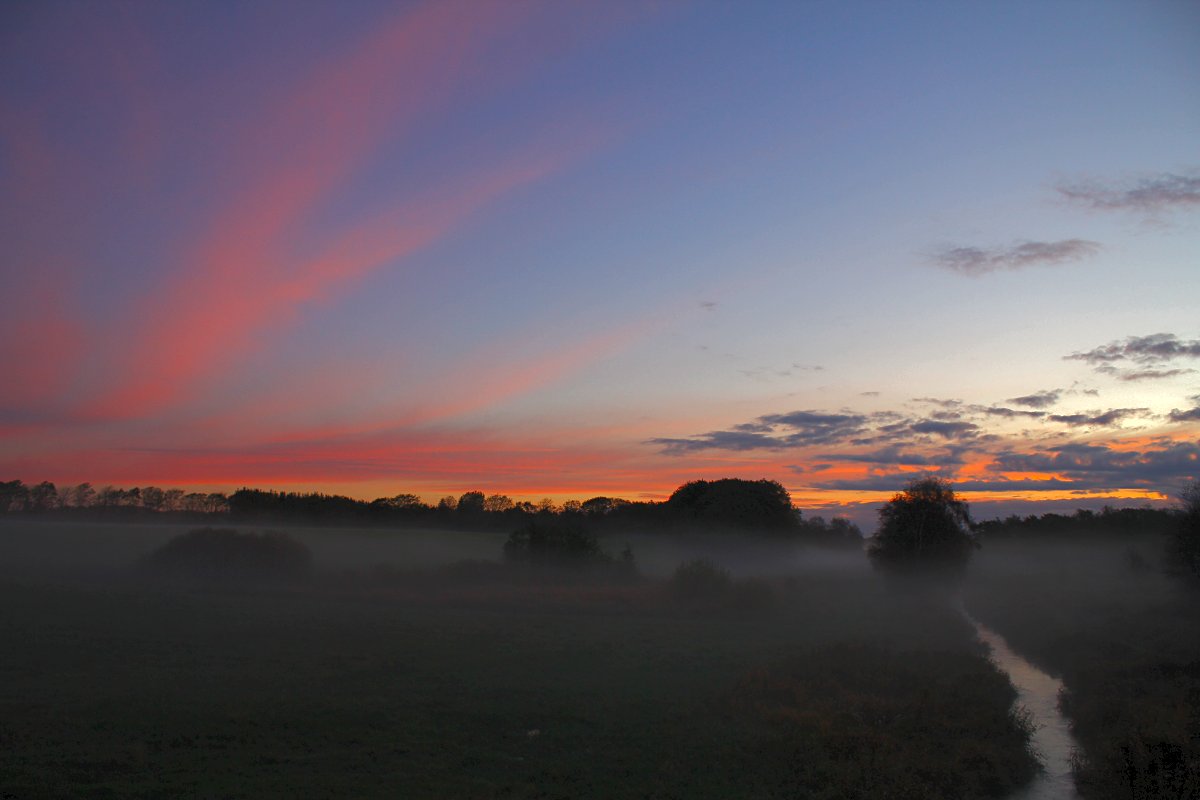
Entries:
{"x":728,"y":503}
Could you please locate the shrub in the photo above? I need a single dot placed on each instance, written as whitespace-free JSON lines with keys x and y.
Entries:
{"x":751,"y":595}
{"x":227,"y":553}
{"x":561,"y":545}
{"x":700,"y":581}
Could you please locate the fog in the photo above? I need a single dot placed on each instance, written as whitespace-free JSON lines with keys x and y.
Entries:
{"x":456,"y":668}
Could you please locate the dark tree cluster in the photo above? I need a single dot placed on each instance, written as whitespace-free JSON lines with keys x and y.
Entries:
{"x":17,"y":498}
{"x":924,"y":526}
{"x":762,"y":504}
{"x":223,"y":554}
{"x":1108,"y":521}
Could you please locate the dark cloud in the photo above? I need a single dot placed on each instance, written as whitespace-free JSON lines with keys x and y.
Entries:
{"x":718,"y":440}
{"x":935,"y":401}
{"x":892,"y":455}
{"x":1142,"y":374}
{"x":1106,"y":419}
{"x":891,"y":482}
{"x":1188,"y":415}
{"x":947,"y":430}
{"x":1155,"y":348}
{"x":869,"y":394}
{"x":1154,"y":193}
{"x":1078,"y":467}
{"x":810,"y":428}
{"x":773,"y":432}
{"x":1000,"y":411}
{"x":708,"y":305}
{"x":1139,"y":358}
{"x":814,"y":427}
{"x":1042,"y":399}
{"x":1092,"y":466}
{"x":976,"y":261}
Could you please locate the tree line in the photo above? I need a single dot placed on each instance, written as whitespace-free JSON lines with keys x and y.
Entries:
{"x":16,"y":498}
{"x":728,"y":503}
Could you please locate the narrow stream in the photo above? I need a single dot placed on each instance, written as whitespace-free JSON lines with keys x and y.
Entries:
{"x":1052,"y":738}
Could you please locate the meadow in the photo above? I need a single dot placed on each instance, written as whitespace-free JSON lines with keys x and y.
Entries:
{"x":391,"y":672}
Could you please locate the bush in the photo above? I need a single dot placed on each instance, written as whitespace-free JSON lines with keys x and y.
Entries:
{"x":227,"y":553}
{"x":700,"y":581}
{"x":751,"y":596}
{"x":551,"y":544}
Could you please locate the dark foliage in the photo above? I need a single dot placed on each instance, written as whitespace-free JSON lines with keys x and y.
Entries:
{"x":562,"y":545}
{"x":222,"y":553}
{"x":761,"y":504}
{"x":838,"y":532}
{"x":1183,"y":550}
{"x":925,"y":526}
{"x":1083,"y":523}
{"x":701,"y":582}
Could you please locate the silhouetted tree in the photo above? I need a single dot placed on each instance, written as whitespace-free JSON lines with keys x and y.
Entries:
{"x":153,"y":498}
{"x":601,"y":505}
{"x":926,"y":525}
{"x":81,"y":496}
{"x":471,"y":503}
{"x":495,"y":503}
{"x":14,"y":496}
{"x":762,"y":504}
{"x":43,"y":497}
{"x":172,"y":500}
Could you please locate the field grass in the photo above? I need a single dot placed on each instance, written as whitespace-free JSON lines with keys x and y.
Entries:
{"x":449,"y":687}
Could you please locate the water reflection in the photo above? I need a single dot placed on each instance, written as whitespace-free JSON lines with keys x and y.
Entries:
{"x":1037,"y":692}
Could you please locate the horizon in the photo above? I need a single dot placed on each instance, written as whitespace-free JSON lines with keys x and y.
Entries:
{"x":604,"y":250}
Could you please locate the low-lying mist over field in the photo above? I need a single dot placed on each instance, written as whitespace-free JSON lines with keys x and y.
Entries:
{"x":244,"y":660}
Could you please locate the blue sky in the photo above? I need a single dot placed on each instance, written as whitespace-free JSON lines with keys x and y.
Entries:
{"x":549,"y":249}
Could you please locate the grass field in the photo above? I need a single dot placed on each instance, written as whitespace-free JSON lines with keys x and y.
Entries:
{"x":426,"y":685}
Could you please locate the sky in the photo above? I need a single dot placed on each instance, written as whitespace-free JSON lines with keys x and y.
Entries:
{"x":563,"y":250}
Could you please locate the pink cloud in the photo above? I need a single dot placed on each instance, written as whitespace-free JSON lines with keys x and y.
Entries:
{"x":243,"y":280}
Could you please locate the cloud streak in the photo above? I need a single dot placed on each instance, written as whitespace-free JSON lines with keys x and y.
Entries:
{"x":1154,"y":193}
{"x":1042,"y":399}
{"x":248,"y":277}
{"x":977,"y":261}
{"x":1140,"y":358}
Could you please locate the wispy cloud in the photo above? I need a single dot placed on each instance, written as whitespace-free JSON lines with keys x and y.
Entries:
{"x":247,"y":277}
{"x":1042,"y":399}
{"x":1153,"y":193}
{"x":1105,"y":419}
{"x":1186,"y":415}
{"x":976,"y":261}
{"x":1139,"y":358}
